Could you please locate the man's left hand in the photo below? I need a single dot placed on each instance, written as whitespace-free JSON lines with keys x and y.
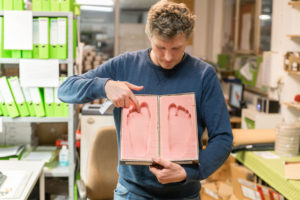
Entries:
{"x":169,"y":173}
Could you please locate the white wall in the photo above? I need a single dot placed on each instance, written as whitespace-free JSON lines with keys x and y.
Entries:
{"x":208,"y":35}
{"x":286,"y":21}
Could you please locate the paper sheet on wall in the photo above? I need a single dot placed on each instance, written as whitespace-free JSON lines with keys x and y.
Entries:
{"x":39,"y":73}
{"x":246,"y":32}
{"x":18,"y":30}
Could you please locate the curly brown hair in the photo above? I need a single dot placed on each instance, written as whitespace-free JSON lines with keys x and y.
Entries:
{"x":169,"y":19}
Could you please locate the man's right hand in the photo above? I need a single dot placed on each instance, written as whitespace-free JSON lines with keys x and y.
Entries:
{"x":119,"y":92}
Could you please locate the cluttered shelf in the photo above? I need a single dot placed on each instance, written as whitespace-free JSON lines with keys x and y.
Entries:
{"x":271,"y":168}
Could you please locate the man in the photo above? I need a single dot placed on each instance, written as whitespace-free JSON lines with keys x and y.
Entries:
{"x":163,"y":69}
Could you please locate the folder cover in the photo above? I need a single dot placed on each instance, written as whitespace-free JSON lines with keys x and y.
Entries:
{"x":18,"y":4}
{"x":46,"y":5}
{"x":28,"y":99}
{"x":1,"y":4}
{"x":16,"y":53}
{"x":49,"y":101}
{"x":26,"y":53}
{"x":35,"y":38}
{"x":36,"y":5}
{"x":19,"y":97}
{"x":43,"y":37}
{"x":10,"y":103}
{"x":2,"y":106}
{"x":3,"y":53}
{"x":37,"y":99}
{"x":62,"y":38}
{"x":58,"y":111}
{"x":8,"y":4}
{"x":166,"y":127}
{"x":66,"y":5}
{"x":55,"y":5}
{"x":53,"y":38}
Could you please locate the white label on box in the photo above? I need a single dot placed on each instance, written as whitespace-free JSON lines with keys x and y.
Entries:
{"x":251,"y":194}
{"x":53,"y":32}
{"x":211,"y":193}
{"x":43,"y":31}
{"x":35,"y":26}
{"x":247,"y":183}
{"x":62,"y":31}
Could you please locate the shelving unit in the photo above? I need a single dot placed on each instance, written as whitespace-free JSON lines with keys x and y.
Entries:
{"x":71,"y":120}
{"x":292,"y":72}
{"x":294,"y":3}
{"x":292,"y":105}
{"x":294,"y":36}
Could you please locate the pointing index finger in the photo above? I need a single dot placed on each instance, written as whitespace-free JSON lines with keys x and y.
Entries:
{"x":135,"y":102}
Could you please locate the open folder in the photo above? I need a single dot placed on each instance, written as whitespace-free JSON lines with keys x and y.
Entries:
{"x":166,"y":127}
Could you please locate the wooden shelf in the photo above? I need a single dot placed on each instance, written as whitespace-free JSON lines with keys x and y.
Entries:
{"x":292,"y":72}
{"x":294,"y":36}
{"x":294,"y":3}
{"x":293,"y":104}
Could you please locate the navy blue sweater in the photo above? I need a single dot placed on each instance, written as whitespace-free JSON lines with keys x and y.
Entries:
{"x":190,"y":75}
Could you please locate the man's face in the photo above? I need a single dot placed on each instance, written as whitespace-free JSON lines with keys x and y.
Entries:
{"x":167,"y":53}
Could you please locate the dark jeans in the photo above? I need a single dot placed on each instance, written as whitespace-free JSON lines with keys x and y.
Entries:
{"x":121,"y":193}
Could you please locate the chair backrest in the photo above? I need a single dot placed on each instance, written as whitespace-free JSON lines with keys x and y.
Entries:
{"x":102,"y":176}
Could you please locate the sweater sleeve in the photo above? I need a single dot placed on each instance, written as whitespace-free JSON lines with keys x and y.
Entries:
{"x":88,"y":86}
{"x":215,"y":117}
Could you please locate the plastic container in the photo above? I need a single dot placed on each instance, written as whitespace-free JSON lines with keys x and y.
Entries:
{"x":287,"y":139}
{"x":63,"y":156}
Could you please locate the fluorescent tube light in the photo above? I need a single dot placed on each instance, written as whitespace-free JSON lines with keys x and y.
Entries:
{"x":96,"y":2}
{"x":97,"y":8}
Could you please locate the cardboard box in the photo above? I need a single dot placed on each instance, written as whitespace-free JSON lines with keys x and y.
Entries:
{"x":209,"y":191}
{"x":49,"y":132}
{"x":223,"y":173}
{"x":239,"y":173}
{"x":225,"y":190}
{"x":245,"y":187}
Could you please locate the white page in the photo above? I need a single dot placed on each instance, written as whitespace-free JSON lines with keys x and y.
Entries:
{"x":39,"y":73}
{"x":53,"y":32}
{"x":15,"y":87}
{"x":14,"y":184}
{"x":18,"y":30}
{"x":62,"y":31}
{"x":43,"y":31}
{"x":35,"y":31}
{"x":5,"y":91}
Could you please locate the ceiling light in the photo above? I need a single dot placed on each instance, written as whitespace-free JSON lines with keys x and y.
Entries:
{"x":96,"y":2}
{"x":97,"y":8}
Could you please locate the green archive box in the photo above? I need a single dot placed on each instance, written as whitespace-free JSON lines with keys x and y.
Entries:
{"x":35,"y":38}
{"x":3,"y":53}
{"x":44,"y":37}
{"x":62,"y":52}
{"x":19,"y":96}
{"x":8,"y":4}
{"x":53,"y":38}
{"x":67,"y":5}
{"x":46,"y":5}
{"x":8,"y":97}
{"x":55,"y":5}
{"x":36,"y":5}
{"x":18,"y":4}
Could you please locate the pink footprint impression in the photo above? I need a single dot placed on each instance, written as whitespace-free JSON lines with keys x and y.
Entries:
{"x":139,"y":130}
